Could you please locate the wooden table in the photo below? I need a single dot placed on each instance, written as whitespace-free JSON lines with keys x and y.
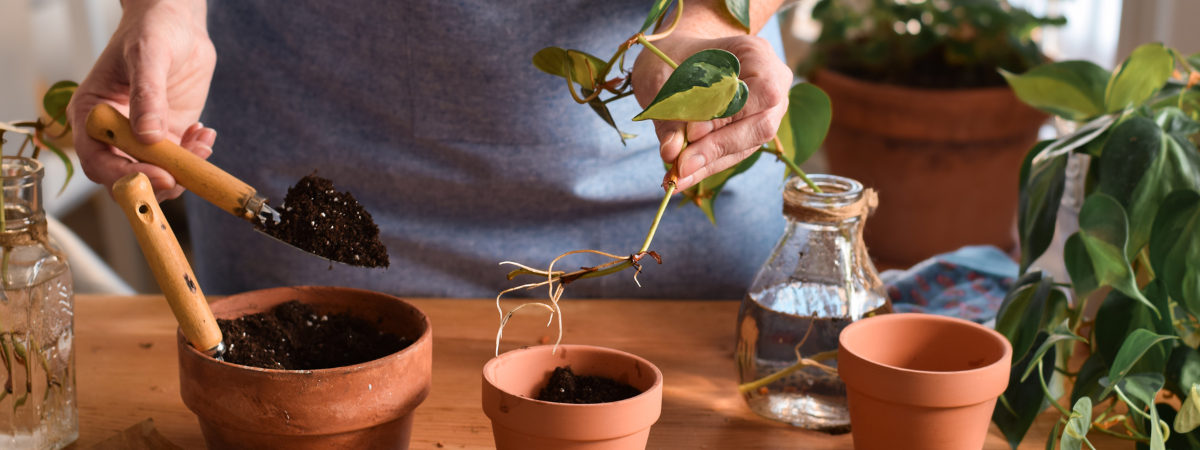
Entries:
{"x":127,"y":372}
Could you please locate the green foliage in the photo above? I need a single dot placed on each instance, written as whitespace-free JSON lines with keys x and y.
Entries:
{"x":34,"y":133}
{"x":704,"y":87}
{"x":1021,"y":401}
{"x":656,"y":12}
{"x":1138,"y":245}
{"x":809,"y":114}
{"x":929,"y":44}
{"x":56,"y":99}
{"x":740,"y":10}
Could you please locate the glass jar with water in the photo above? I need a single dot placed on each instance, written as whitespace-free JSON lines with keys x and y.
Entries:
{"x":817,"y":281}
{"x":37,"y":404}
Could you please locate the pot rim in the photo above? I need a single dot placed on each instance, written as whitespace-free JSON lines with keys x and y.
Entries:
{"x":995,"y":335}
{"x":658,"y":377}
{"x":426,"y":335}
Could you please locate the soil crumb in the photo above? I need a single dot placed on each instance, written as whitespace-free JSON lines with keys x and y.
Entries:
{"x":328,"y":223}
{"x":566,"y":387}
{"x":293,"y":336}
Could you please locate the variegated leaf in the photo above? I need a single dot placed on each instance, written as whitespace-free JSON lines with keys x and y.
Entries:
{"x":704,"y":87}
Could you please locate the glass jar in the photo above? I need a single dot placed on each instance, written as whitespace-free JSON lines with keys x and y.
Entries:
{"x":37,"y":404}
{"x":817,"y":281}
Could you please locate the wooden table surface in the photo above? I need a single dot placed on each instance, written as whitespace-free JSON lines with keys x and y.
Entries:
{"x":127,"y":372}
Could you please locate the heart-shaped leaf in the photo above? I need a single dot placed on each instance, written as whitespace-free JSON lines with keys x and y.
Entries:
{"x":1103,"y":231}
{"x":1141,"y":388}
{"x":1078,"y":424}
{"x":1140,"y":166}
{"x":1041,"y":193}
{"x":704,"y":87}
{"x":586,"y":69}
{"x":1073,"y":90}
{"x":809,"y":114}
{"x":1131,"y":351}
{"x":57,"y":98}
{"x":740,"y":10}
{"x":1139,"y":77}
{"x":1175,"y":247}
{"x":1189,"y":412}
{"x":656,"y":11}
{"x":1118,"y":317}
{"x":1087,"y":384}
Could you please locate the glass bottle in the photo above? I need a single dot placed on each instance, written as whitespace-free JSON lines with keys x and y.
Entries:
{"x":816,"y":282}
{"x":37,"y":404}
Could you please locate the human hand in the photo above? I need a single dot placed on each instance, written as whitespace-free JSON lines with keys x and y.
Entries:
{"x":718,"y":144}
{"x":156,"y":70}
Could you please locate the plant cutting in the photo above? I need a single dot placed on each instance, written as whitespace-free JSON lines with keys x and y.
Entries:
{"x":36,"y":299}
{"x":1137,"y":252}
{"x":924,"y":118}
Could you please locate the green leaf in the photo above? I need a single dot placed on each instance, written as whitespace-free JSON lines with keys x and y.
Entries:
{"x":656,"y":10}
{"x":1189,"y":412}
{"x":1157,"y":437}
{"x":1080,"y":421}
{"x":710,"y":188}
{"x":809,"y":114}
{"x":1131,"y":351}
{"x":704,"y":87}
{"x":1175,"y":247}
{"x":1118,"y":317}
{"x":1103,"y":230}
{"x":1142,"y":388}
{"x":1140,"y":167}
{"x":65,"y":160}
{"x":1016,"y":300}
{"x":586,"y":69}
{"x":1176,"y":124}
{"x":1182,"y":370}
{"x":1035,"y":313}
{"x":1073,"y":90}
{"x":1022,"y":401}
{"x":56,"y":99}
{"x":1061,"y":333}
{"x":1087,"y":384}
{"x":740,"y":10}
{"x":601,"y":110}
{"x":1041,"y":193}
{"x":1139,"y":77}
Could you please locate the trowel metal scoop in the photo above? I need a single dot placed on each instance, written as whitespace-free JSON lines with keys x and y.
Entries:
{"x":170,"y":267}
{"x":108,"y":125}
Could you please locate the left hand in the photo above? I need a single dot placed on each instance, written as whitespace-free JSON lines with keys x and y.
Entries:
{"x":718,"y":144}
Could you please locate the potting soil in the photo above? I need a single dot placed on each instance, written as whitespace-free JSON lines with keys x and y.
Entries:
{"x":566,"y":387}
{"x":294,"y":336}
{"x":328,"y":223}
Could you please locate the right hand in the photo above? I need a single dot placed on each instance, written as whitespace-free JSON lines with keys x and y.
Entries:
{"x":156,"y":70}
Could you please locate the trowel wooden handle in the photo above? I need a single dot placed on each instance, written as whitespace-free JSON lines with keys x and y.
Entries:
{"x":170,"y":267}
{"x":108,"y":125}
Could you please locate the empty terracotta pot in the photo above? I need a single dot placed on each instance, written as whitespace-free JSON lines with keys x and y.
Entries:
{"x":921,"y":381}
{"x":365,"y":406}
{"x":944,"y":162}
{"x":511,"y":383}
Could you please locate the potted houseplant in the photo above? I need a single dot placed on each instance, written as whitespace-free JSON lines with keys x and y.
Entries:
{"x":922,"y":116}
{"x":36,"y":285}
{"x":1137,"y":251}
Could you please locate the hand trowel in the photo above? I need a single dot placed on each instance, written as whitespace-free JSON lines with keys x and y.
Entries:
{"x":206,"y":180}
{"x":170,"y":267}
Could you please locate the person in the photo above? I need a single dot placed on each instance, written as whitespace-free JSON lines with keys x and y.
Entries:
{"x":432,"y":115}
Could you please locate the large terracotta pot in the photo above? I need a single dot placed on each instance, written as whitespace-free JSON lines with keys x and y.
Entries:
{"x":360,"y":407}
{"x":921,"y":381}
{"x":945,"y":163}
{"x":512,"y":381}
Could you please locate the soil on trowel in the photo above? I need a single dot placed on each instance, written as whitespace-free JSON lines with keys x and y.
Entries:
{"x":566,"y":387}
{"x":328,"y":223}
{"x":294,"y":336}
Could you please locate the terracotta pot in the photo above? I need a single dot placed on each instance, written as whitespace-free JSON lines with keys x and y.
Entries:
{"x":921,"y":381}
{"x":365,"y":406}
{"x":511,"y":382}
{"x":945,"y":163}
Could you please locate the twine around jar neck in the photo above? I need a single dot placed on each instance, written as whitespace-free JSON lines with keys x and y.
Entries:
{"x":35,"y":234}
{"x":797,"y":204}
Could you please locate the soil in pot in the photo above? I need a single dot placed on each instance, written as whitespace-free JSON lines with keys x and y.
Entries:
{"x":294,"y":336}
{"x":566,"y":387}
{"x":328,"y":223}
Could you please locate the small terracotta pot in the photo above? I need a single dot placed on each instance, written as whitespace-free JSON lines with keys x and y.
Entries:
{"x":365,"y":406}
{"x":921,"y":381}
{"x":944,"y":161}
{"x":512,"y":381}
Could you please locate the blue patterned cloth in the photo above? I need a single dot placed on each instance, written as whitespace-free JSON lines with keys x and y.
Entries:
{"x":969,"y":283}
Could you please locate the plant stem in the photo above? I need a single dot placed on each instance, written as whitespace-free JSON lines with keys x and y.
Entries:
{"x":1117,"y":435}
{"x":667,"y":59}
{"x":767,"y":380}
{"x":618,"y":97}
{"x":792,"y":166}
{"x":1046,"y":392}
{"x":662,"y":207}
{"x":675,"y":23}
